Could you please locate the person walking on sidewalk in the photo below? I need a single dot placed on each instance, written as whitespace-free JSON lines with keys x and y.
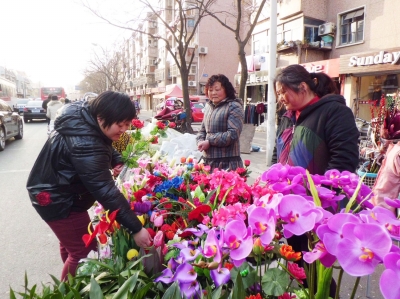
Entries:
{"x":44,"y":106}
{"x":52,"y":108}
{"x":73,"y":171}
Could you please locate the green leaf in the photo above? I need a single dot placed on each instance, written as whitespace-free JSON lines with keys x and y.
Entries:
{"x":141,"y":292}
{"x":173,"y":292}
{"x":95,"y":290}
{"x":12,"y":294}
{"x":353,"y":198}
{"x":274,"y":282}
{"x":313,"y":190}
{"x":127,"y":287}
{"x":217,"y":293}
{"x":324,"y":281}
{"x":238,"y":291}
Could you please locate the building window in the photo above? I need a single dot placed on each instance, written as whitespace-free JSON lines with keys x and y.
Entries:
{"x":260,"y":43}
{"x":352,"y":27}
{"x":190,"y":22}
{"x":311,"y":34}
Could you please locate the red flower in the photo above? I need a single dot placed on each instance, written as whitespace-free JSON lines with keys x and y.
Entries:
{"x":183,"y":160}
{"x":297,"y":272}
{"x":258,"y":296}
{"x":151,"y":231}
{"x":240,"y":171}
{"x":247,"y":163}
{"x":160,"y":125}
{"x":199,"y":212}
{"x":167,"y":205}
{"x":43,"y":198}
{"x":103,"y":239}
{"x":288,"y":253}
{"x":139,"y":194}
{"x":154,"y":139}
{"x":228,"y":266}
{"x":168,"y":231}
{"x":172,"y":125}
{"x":137,"y":123}
{"x":153,"y":180}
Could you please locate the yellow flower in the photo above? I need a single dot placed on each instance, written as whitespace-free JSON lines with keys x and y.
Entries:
{"x":132,"y":253}
{"x":141,"y":218}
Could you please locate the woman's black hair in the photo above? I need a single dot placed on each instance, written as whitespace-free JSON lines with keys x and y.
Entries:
{"x":112,"y":107}
{"x":292,"y":75}
{"x":226,"y":84}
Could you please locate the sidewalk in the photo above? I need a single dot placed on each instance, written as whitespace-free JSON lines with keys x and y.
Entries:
{"x":258,"y":164}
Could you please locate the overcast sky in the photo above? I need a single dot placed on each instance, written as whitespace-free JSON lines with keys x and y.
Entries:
{"x":52,"y":40}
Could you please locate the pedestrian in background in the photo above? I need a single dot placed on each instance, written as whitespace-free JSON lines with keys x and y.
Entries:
{"x":52,"y":108}
{"x":137,"y":107}
{"x":73,"y":171}
{"x":44,"y":106}
{"x":317,"y":132}
{"x":218,"y":137}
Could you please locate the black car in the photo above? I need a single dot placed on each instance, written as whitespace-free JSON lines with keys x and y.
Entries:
{"x":34,"y":110}
{"x":11,"y":124}
{"x":20,"y":105}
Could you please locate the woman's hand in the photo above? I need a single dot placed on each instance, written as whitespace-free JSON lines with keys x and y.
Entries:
{"x":203,"y":145}
{"x":142,"y":238}
{"x":117,"y":169}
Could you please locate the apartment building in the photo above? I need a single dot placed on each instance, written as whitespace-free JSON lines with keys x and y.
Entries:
{"x":355,"y":42}
{"x":152,"y":69}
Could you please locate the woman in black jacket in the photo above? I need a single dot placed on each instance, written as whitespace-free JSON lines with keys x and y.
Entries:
{"x":73,"y":171}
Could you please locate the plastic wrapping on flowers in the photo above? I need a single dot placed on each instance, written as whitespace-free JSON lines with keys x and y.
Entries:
{"x":215,"y":236}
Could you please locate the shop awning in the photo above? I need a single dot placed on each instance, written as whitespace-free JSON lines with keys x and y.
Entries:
{"x":174,"y":91}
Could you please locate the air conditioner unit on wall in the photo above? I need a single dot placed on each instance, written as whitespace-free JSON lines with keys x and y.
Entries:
{"x":327,"y":28}
{"x":192,"y":83}
{"x":203,"y":50}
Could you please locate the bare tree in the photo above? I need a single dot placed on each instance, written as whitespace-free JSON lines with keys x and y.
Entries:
{"x":109,"y":64}
{"x":93,"y":82}
{"x":181,"y":47}
{"x":246,"y":15}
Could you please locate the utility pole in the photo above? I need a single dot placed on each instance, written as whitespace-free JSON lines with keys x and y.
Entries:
{"x":271,"y":131}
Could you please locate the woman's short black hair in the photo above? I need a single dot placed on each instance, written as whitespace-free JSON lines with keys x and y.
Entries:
{"x":112,"y":107}
{"x":292,"y":75}
{"x":226,"y":84}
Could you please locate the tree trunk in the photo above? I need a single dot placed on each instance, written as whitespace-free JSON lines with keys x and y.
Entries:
{"x":243,"y":72}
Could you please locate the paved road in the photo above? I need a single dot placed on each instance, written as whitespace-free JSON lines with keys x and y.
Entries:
{"x":27,"y":244}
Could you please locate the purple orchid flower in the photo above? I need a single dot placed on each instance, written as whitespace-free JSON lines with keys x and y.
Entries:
{"x":263,"y":223}
{"x":383,"y":217}
{"x":202,"y":229}
{"x":212,"y":248}
{"x":276,"y":173}
{"x":220,"y":276}
{"x":395,"y":203}
{"x":331,"y":232}
{"x":319,"y":253}
{"x":185,"y":273}
{"x":166,"y":276}
{"x":190,"y":289}
{"x":189,"y":254}
{"x":239,"y":239}
{"x":142,"y":207}
{"x":299,"y":214}
{"x":328,"y":197}
{"x":362,"y":248}
{"x":389,"y":281}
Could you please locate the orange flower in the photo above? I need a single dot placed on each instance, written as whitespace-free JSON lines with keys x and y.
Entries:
{"x":287,"y":252}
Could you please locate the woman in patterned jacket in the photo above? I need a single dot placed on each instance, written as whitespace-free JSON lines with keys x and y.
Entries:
{"x":222,"y":124}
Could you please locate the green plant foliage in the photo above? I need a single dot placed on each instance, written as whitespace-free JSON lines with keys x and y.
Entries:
{"x":275,"y":281}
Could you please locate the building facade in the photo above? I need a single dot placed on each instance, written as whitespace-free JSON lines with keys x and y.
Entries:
{"x":352,"y":41}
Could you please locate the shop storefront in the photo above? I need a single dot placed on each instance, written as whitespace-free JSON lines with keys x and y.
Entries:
{"x":368,"y":77}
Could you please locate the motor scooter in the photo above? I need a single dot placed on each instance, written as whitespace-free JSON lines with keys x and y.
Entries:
{"x":176,"y":114}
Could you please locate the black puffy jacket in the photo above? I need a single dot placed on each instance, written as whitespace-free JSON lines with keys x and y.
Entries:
{"x":73,"y":170}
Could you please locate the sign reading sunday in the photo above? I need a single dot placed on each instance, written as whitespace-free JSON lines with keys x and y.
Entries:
{"x":383,"y":60}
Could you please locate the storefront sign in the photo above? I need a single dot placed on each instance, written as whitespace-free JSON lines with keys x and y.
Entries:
{"x":371,"y":62}
{"x":382,"y":57}
{"x":329,"y":67}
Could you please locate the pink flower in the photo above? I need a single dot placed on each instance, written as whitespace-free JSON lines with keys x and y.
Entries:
{"x":157,"y":219}
{"x":297,"y":272}
{"x":159,"y":239}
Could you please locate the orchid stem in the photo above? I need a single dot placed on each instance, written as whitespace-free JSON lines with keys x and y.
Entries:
{"x":339,"y":283}
{"x":353,"y":294}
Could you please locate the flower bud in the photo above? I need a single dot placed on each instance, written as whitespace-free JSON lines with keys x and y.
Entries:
{"x":258,"y":247}
{"x":212,"y":265}
{"x":246,"y":163}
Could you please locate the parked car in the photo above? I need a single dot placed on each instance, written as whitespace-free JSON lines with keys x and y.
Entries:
{"x":197,"y":112}
{"x":11,"y":124}
{"x":34,"y":110}
{"x":20,"y":105}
